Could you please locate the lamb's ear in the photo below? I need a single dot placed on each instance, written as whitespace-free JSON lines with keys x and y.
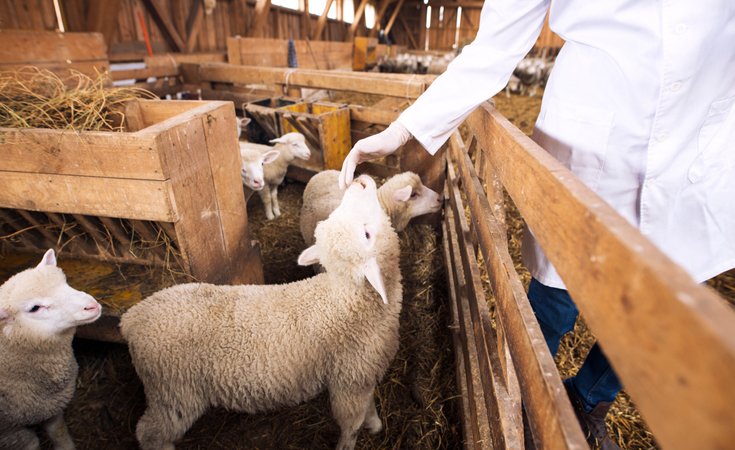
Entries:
{"x":5,"y":316}
{"x":280,"y":140}
{"x":309,"y":256}
{"x":270,"y":156}
{"x":244,"y":122}
{"x":49,"y":259}
{"x":403,"y":194}
{"x":372,"y":273}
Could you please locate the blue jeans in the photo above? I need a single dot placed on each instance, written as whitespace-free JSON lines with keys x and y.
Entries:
{"x":556,"y":313}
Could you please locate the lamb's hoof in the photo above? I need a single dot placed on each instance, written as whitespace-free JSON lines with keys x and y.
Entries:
{"x":269,"y":217}
{"x":373,"y":425}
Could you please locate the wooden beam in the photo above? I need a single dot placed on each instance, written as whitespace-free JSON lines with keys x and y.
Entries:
{"x":193,"y":25}
{"x":102,"y":18}
{"x":322,"y":22}
{"x":305,"y":19}
{"x":356,"y":20}
{"x":393,"y":17}
{"x":670,"y":340}
{"x":262,"y":7}
{"x":378,"y":16}
{"x":409,"y":33}
{"x":464,"y":4}
{"x":422,"y":27}
{"x":161,"y":14}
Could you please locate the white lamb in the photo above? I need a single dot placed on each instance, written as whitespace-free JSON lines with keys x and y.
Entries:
{"x":257,"y":348}
{"x":39,"y":314}
{"x":291,"y":146}
{"x":402,"y":197}
{"x":252,"y":171}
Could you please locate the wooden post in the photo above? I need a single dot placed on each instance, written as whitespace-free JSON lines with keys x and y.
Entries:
{"x":322,"y":21}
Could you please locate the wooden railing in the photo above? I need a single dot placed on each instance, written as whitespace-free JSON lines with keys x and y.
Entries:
{"x":670,"y":340}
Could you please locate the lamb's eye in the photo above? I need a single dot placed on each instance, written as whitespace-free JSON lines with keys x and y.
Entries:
{"x":34,"y":308}
{"x":367,"y":235}
{"x":414,"y":194}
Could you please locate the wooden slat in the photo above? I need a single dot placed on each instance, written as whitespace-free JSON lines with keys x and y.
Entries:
{"x":503,"y":411}
{"x":194,"y":25}
{"x":409,"y":32}
{"x":313,"y":79}
{"x":378,"y":16}
{"x":142,"y":74}
{"x":481,"y":436}
{"x":93,"y":153}
{"x":102,"y":18}
{"x":461,"y":375}
{"x":28,"y":47}
{"x":671,"y":341}
{"x":111,"y":197}
{"x":542,"y":392}
{"x":372,"y":115}
{"x":357,"y":19}
{"x":393,"y":17}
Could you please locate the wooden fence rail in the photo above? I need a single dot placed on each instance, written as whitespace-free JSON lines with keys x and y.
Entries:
{"x":670,"y":340}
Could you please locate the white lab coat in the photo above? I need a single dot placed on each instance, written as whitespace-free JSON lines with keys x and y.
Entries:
{"x":639,"y":106}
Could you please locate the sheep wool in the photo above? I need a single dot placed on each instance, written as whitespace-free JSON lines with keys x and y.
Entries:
{"x":39,"y":314}
{"x":291,"y":146}
{"x":402,"y":197}
{"x":256,"y":348}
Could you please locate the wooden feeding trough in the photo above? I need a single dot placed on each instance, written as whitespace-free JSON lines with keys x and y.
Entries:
{"x":264,"y":124}
{"x":172,"y":175}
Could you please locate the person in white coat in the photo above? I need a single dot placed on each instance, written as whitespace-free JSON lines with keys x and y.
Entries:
{"x":639,"y":106}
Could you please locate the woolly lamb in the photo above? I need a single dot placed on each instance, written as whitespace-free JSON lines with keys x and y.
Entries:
{"x":291,"y":146}
{"x":39,"y":314}
{"x":402,"y":197}
{"x":257,"y":348}
{"x":252,"y":170}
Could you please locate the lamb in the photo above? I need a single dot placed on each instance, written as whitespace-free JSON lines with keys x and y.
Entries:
{"x":39,"y":314}
{"x":256,"y":348}
{"x":291,"y":146}
{"x":402,"y":197}
{"x":252,"y":170}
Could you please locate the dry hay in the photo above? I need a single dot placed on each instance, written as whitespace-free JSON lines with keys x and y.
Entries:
{"x":415,"y":400}
{"x":37,"y":98}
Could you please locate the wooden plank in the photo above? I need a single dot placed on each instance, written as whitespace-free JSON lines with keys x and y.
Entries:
{"x":409,"y":33}
{"x":378,"y":16}
{"x":111,"y":197}
{"x":30,"y":47}
{"x":372,"y":115}
{"x":102,"y":18}
{"x":224,"y":154}
{"x":224,"y":73}
{"x":334,"y":132}
{"x":158,"y":115}
{"x":671,"y":341}
{"x":262,"y":7}
{"x":92,"y":153}
{"x":541,"y":392}
{"x":143,"y":74}
{"x":194,"y":25}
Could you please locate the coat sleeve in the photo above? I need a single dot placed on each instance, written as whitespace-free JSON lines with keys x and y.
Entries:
{"x":508,"y":30}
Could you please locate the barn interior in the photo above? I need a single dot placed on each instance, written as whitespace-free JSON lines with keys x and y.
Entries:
{"x":118,"y":125}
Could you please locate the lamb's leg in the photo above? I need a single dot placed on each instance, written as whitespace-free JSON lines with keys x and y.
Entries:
{"x":372,"y":421}
{"x":56,"y":429}
{"x":23,"y":439}
{"x":161,"y":425}
{"x":274,"y":201}
{"x":265,"y":196}
{"x":349,"y":408}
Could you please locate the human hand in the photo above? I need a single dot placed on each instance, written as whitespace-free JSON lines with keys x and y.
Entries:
{"x":373,"y":147}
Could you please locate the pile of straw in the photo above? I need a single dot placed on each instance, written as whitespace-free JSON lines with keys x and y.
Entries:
{"x":37,"y":98}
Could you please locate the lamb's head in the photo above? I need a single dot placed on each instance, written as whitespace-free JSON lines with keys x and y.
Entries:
{"x":404,"y":196}
{"x":241,"y":124}
{"x":357,"y":241}
{"x":38,"y":305}
{"x":297,"y":144}
{"x":252,"y":166}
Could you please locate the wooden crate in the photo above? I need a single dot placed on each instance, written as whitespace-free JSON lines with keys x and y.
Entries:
{"x":174,"y":171}
{"x":264,"y":124}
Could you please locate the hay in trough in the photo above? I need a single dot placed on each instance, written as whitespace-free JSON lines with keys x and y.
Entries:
{"x":37,"y":98}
